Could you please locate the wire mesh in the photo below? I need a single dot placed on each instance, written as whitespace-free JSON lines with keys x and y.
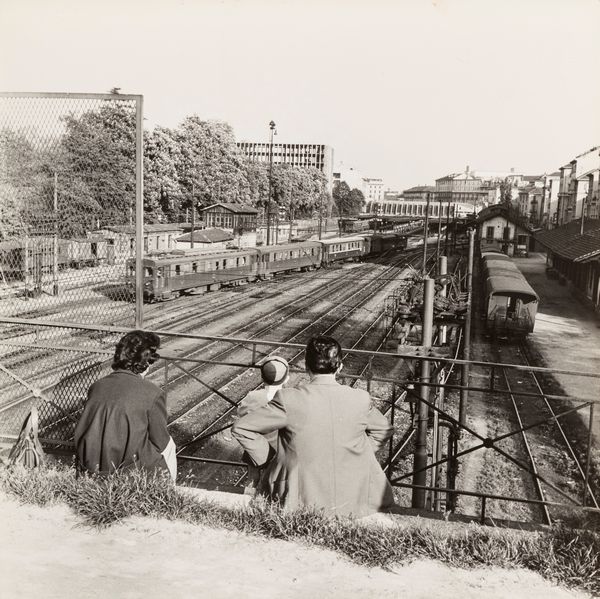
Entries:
{"x":67,"y":207}
{"x":68,"y":182}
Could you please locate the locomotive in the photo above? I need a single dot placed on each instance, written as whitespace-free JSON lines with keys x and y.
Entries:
{"x":180,"y":271}
{"x":510,"y":302}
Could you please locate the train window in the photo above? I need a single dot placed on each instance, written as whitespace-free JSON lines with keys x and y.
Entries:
{"x":177,"y":269}
{"x":149,"y":271}
{"x":224,"y":263}
{"x":291,"y":254}
{"x":194,"y":267}
{"x":217,"y":265}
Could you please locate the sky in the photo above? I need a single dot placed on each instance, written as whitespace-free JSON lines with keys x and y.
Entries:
{"x":406,"y":90}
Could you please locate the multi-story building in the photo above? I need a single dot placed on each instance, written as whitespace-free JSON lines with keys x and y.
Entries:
{"x":372,"y":189}
{"x":462,"y":188}
{"x":579,"y":187}
{"x":317,"y":156}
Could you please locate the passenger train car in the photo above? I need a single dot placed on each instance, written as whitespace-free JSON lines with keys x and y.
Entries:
{"x":510,"y":302}
{"x":168,"y":275}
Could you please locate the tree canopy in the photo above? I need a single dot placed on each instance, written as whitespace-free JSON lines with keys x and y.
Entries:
{"x":94,"y":162}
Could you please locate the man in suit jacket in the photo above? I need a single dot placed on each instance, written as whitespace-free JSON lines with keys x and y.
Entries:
{"x":328,"y":435}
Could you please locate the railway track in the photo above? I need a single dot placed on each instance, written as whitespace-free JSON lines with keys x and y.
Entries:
{"x":212,"y":422}
{"x":547,"y":459}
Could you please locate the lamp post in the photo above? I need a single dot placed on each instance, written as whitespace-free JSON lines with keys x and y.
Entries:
{"x":272,"y":128}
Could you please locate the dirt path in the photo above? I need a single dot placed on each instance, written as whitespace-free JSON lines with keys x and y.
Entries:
{"x":47,"y":553}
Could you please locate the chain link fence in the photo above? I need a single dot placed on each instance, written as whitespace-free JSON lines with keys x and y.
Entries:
{"x":70,"y":185}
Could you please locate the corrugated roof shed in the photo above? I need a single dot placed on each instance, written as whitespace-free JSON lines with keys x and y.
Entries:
{"x":567,"y":242}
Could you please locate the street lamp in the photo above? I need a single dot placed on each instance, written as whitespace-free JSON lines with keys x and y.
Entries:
{"x":272,"y":128}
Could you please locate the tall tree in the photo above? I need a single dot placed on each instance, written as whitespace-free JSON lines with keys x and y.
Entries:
{"x":162,"y":190}
{"x":341,"y":198}
{"x":98,"y":154}
{"x":209,"y":162}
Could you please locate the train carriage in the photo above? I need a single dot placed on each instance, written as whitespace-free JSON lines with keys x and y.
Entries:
{"x":510,"y":302}
{"x":166,"y":277}
{"x":305,"y":255}
{"x":344,"y":248}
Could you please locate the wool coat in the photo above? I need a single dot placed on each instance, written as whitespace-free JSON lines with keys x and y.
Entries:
{"x":328,"y":435}
{"x":123,"y":425}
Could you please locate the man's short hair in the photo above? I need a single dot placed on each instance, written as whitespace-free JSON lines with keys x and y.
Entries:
{"x":323,"y":355}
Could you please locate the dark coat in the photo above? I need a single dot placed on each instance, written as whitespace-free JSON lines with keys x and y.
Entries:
{"x":328,"y":435}
{"x":123,"y":424}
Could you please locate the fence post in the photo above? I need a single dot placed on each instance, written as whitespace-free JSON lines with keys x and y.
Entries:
{"x":139,"y":211}
{"x":420,"y":458}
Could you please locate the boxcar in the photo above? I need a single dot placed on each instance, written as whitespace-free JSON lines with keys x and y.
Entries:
{"x":305,"y":255}
{"x":343,"y":248}
{"x":33,"y":256}
{"x":510,"y":302}
{"x":383,"y":242}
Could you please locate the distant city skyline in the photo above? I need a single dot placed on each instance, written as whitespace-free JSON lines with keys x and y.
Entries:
{"x":407,"y":91}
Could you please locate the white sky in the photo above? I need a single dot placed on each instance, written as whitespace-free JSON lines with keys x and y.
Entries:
{"x":408,"y":90}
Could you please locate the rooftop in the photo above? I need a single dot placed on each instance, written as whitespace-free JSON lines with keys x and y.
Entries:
{"x":206,"y":236}
{"x":568,"y":242}
{"x":237,"y":208}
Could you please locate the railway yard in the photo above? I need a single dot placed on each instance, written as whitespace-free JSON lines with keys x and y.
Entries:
{"x":212,"y":342}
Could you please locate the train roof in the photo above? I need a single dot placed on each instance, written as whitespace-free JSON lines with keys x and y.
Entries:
{"x":494,"y":255}
{"x":511,"y":285}
{"x":180,"y":258}
{"x":333,"y":240}
{"x":289,"y":246}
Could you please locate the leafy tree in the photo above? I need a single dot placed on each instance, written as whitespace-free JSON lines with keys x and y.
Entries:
{"x":97,"y":154}
{"x":209,"y":162}
{"x":162,"y":191}
{"x":506,"y":189}
{"x":356,"y":201}
{"x":341,"y":199}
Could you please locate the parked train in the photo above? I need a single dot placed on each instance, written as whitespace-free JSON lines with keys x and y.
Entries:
{"x":168,"y":275}
{"x":510,"y":302}
{"x":37,"y":255}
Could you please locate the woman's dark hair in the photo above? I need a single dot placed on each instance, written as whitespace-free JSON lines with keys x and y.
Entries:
{"x":323,"y":355}
{"x":136,"y":351}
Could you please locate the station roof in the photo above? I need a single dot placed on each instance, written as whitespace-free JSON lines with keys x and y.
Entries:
{"x":567,"y":242}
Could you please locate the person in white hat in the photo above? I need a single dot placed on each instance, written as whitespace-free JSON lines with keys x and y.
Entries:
{"x":275,"y":373}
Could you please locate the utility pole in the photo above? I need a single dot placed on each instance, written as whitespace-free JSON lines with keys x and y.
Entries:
{"x":425,"y":236}
{"x":464,"y":375}
{"x":272,"y":129}
{"x":193,"y":216}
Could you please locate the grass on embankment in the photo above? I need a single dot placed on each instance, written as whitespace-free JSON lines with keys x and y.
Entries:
{"x":570,"y":557}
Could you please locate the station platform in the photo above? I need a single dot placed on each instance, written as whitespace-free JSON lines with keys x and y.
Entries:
{"x":566,"y":334}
